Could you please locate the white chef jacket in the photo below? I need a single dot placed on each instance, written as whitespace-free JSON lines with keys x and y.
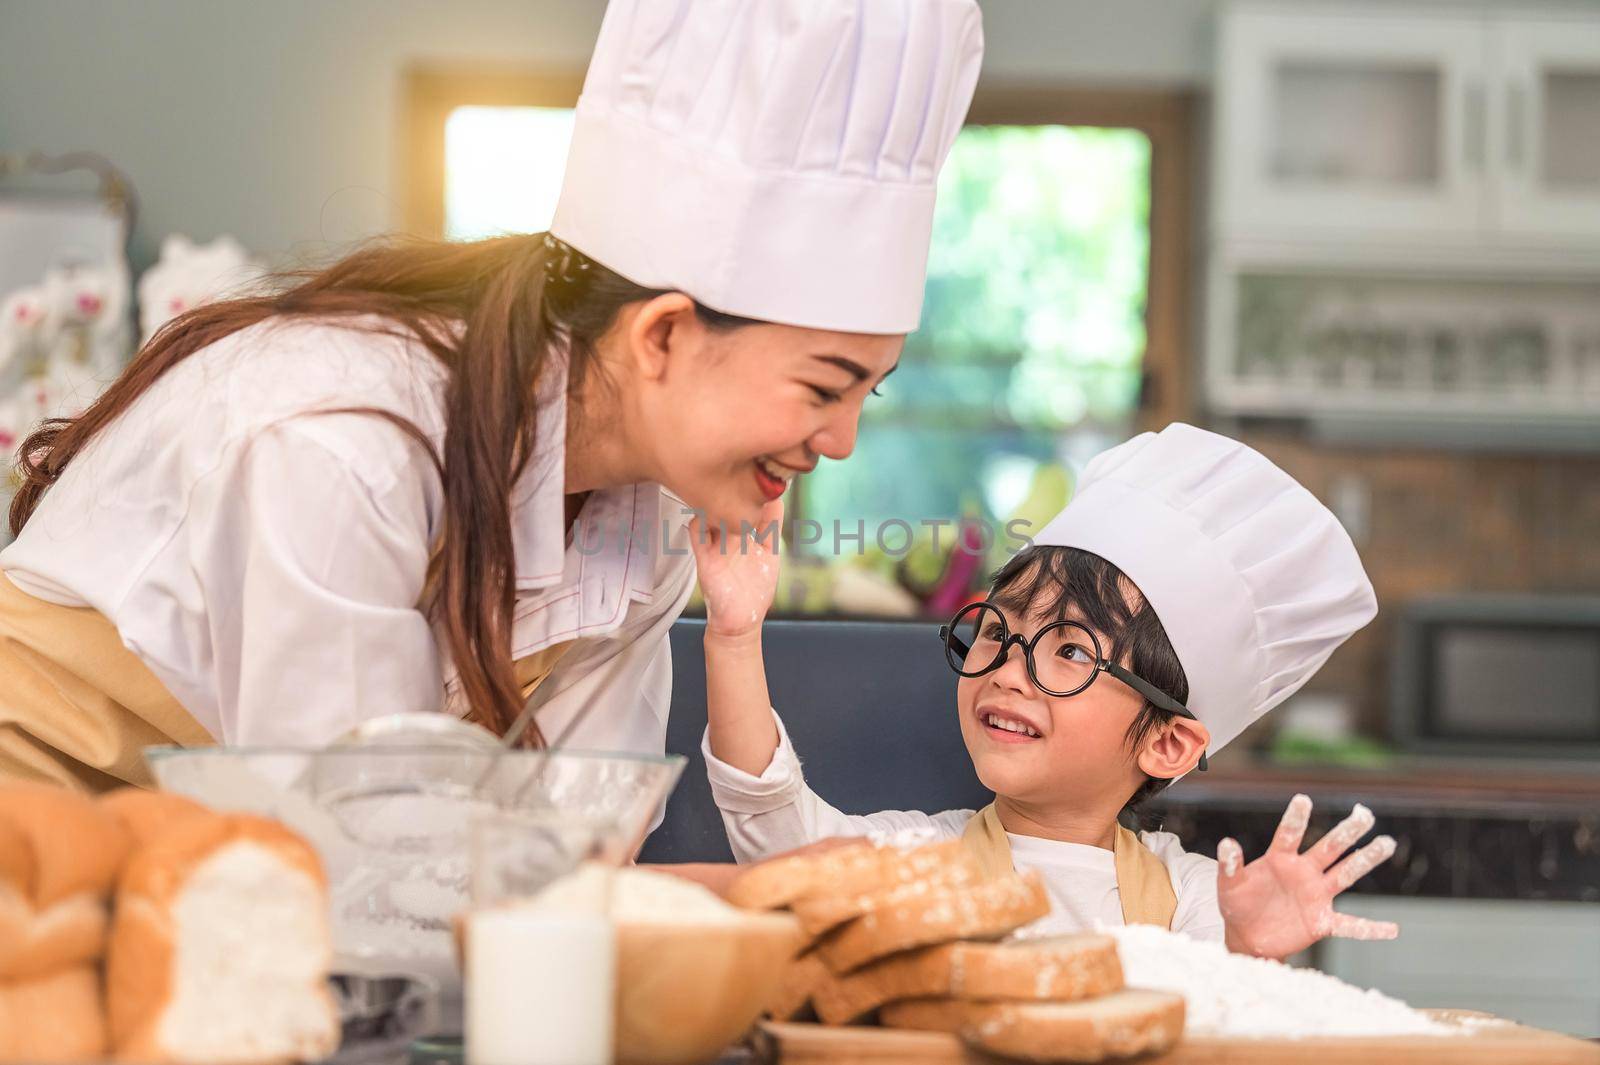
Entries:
{"x":776,"y":812}
{"x":266,"y":562}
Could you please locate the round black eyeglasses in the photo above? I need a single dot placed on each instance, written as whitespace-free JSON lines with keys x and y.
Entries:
{"x":1063,"y":658}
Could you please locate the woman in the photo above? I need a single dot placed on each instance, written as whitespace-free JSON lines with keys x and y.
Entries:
{"x":439,"y":477}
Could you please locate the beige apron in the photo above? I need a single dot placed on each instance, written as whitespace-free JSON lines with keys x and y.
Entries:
{"x":77,"y":707}
{"x":1142,"y":881}
{"x":532,"y":670}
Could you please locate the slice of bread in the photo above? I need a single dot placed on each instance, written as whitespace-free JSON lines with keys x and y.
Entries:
{"x":220,"y":949}
{"x":59,"y":856}
{"x":801,"y":979}
{"x":54,"y":1018}
{"x":34,"y":942}
{"x":902,"y":874}
{"x":1118,"y":1025}
{"x":987,"y":910}
{"x":844,"y":870}
{"x":775,"y":884}
{"x":1058,"y":968}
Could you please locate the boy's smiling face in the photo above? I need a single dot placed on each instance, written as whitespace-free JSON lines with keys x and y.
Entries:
{"x":1080,"y":754}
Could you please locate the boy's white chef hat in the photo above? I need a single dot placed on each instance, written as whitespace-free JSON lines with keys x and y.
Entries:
{"x":1255,"y":581}
{"x":774,"y":159}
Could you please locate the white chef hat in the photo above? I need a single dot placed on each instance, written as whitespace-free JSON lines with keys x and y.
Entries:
{"x":1255,"y":581}
{"x":774,"y":159}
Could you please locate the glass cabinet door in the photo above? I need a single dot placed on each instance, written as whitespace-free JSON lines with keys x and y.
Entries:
{"x":1545,"y":128}
{"x":1362,"y":124}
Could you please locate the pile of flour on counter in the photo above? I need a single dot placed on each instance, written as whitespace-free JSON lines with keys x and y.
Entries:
{"x":1236,"y":995}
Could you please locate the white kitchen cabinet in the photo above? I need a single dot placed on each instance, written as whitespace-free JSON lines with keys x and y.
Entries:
{"x":1533,"y":962}
{"x":1409,"y":356}
{"x":1544,"y":128}
{"x":1441,"y":127}
{"x":1345,"y":122}
{"x":1404,"y":241}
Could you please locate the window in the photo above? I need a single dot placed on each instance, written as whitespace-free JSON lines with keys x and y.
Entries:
{"x":1055,"y":320}
{"x":502,"y":169}
{"x":484,"y":151}
{"x":1033,"y":332}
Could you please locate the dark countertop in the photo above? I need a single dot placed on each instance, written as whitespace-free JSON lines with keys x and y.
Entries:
{"x":1455,"y":783}
{"x":1464,"y":829}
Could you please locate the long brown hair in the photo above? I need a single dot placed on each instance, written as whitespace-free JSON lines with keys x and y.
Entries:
{"x":519,"y":297}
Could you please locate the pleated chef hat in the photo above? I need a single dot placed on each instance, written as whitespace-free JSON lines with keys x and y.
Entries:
{"x":774,"y":159}
{"x":1255,"y":581}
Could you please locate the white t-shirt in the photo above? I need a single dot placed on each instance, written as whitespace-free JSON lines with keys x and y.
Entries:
{"x":777,"y":812}
{"x":1082,"y":881}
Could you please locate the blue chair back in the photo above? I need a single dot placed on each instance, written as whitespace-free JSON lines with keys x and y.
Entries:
{"x":870,"y":707}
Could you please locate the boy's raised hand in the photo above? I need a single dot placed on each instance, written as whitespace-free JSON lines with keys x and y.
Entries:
{"x":1282,"y":902}
{"x":738,"y":573}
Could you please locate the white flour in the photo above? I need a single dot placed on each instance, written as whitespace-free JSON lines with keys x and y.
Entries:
{"x":1232,"y":994}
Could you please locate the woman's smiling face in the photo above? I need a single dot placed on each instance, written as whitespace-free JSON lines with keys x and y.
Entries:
{"x":734,"y":414}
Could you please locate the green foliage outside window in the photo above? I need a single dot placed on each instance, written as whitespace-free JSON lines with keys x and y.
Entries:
{"x":1033,"y":328}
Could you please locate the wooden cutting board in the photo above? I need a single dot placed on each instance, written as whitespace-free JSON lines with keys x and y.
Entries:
{"x":1494,"y":1043}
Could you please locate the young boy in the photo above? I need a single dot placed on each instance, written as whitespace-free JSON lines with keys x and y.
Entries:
{"x":1189,"y":587}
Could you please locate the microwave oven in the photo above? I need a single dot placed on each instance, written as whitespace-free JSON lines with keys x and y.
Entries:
{"x":1515,"y":676}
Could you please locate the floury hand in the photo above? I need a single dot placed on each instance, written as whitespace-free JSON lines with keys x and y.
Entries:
{"x":1282,"y":902}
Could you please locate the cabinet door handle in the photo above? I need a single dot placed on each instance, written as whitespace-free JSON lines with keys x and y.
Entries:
{"x":1474,"y":127}
{"x":1516,"y":125}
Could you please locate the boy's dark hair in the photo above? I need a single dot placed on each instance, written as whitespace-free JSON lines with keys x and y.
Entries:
{"x":1058,"y":581}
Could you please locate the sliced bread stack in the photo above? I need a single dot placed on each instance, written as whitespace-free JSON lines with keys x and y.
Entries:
{"x":915,"y":939}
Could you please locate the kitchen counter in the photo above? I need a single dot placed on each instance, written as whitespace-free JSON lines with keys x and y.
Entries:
{"x":1464,"y":829}
{"x":1436,"y":780}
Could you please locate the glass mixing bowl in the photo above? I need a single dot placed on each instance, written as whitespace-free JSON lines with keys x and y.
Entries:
{"x":393,"y":825}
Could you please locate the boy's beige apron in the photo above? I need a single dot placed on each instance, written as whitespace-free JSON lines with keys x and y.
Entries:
{"x":77,"y":707}
{"x":1142,"y":881}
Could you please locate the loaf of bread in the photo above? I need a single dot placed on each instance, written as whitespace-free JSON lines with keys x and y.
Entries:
{"x":1058,"y":968}
{"x":54,"y":1018}
{"x":59,"y":856}
{"x":1118,"y":1025}
{"x":147,"y":815}
{"x":900,"y":875}
{"x":987,"y":910}
{"x":220,"y":948}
